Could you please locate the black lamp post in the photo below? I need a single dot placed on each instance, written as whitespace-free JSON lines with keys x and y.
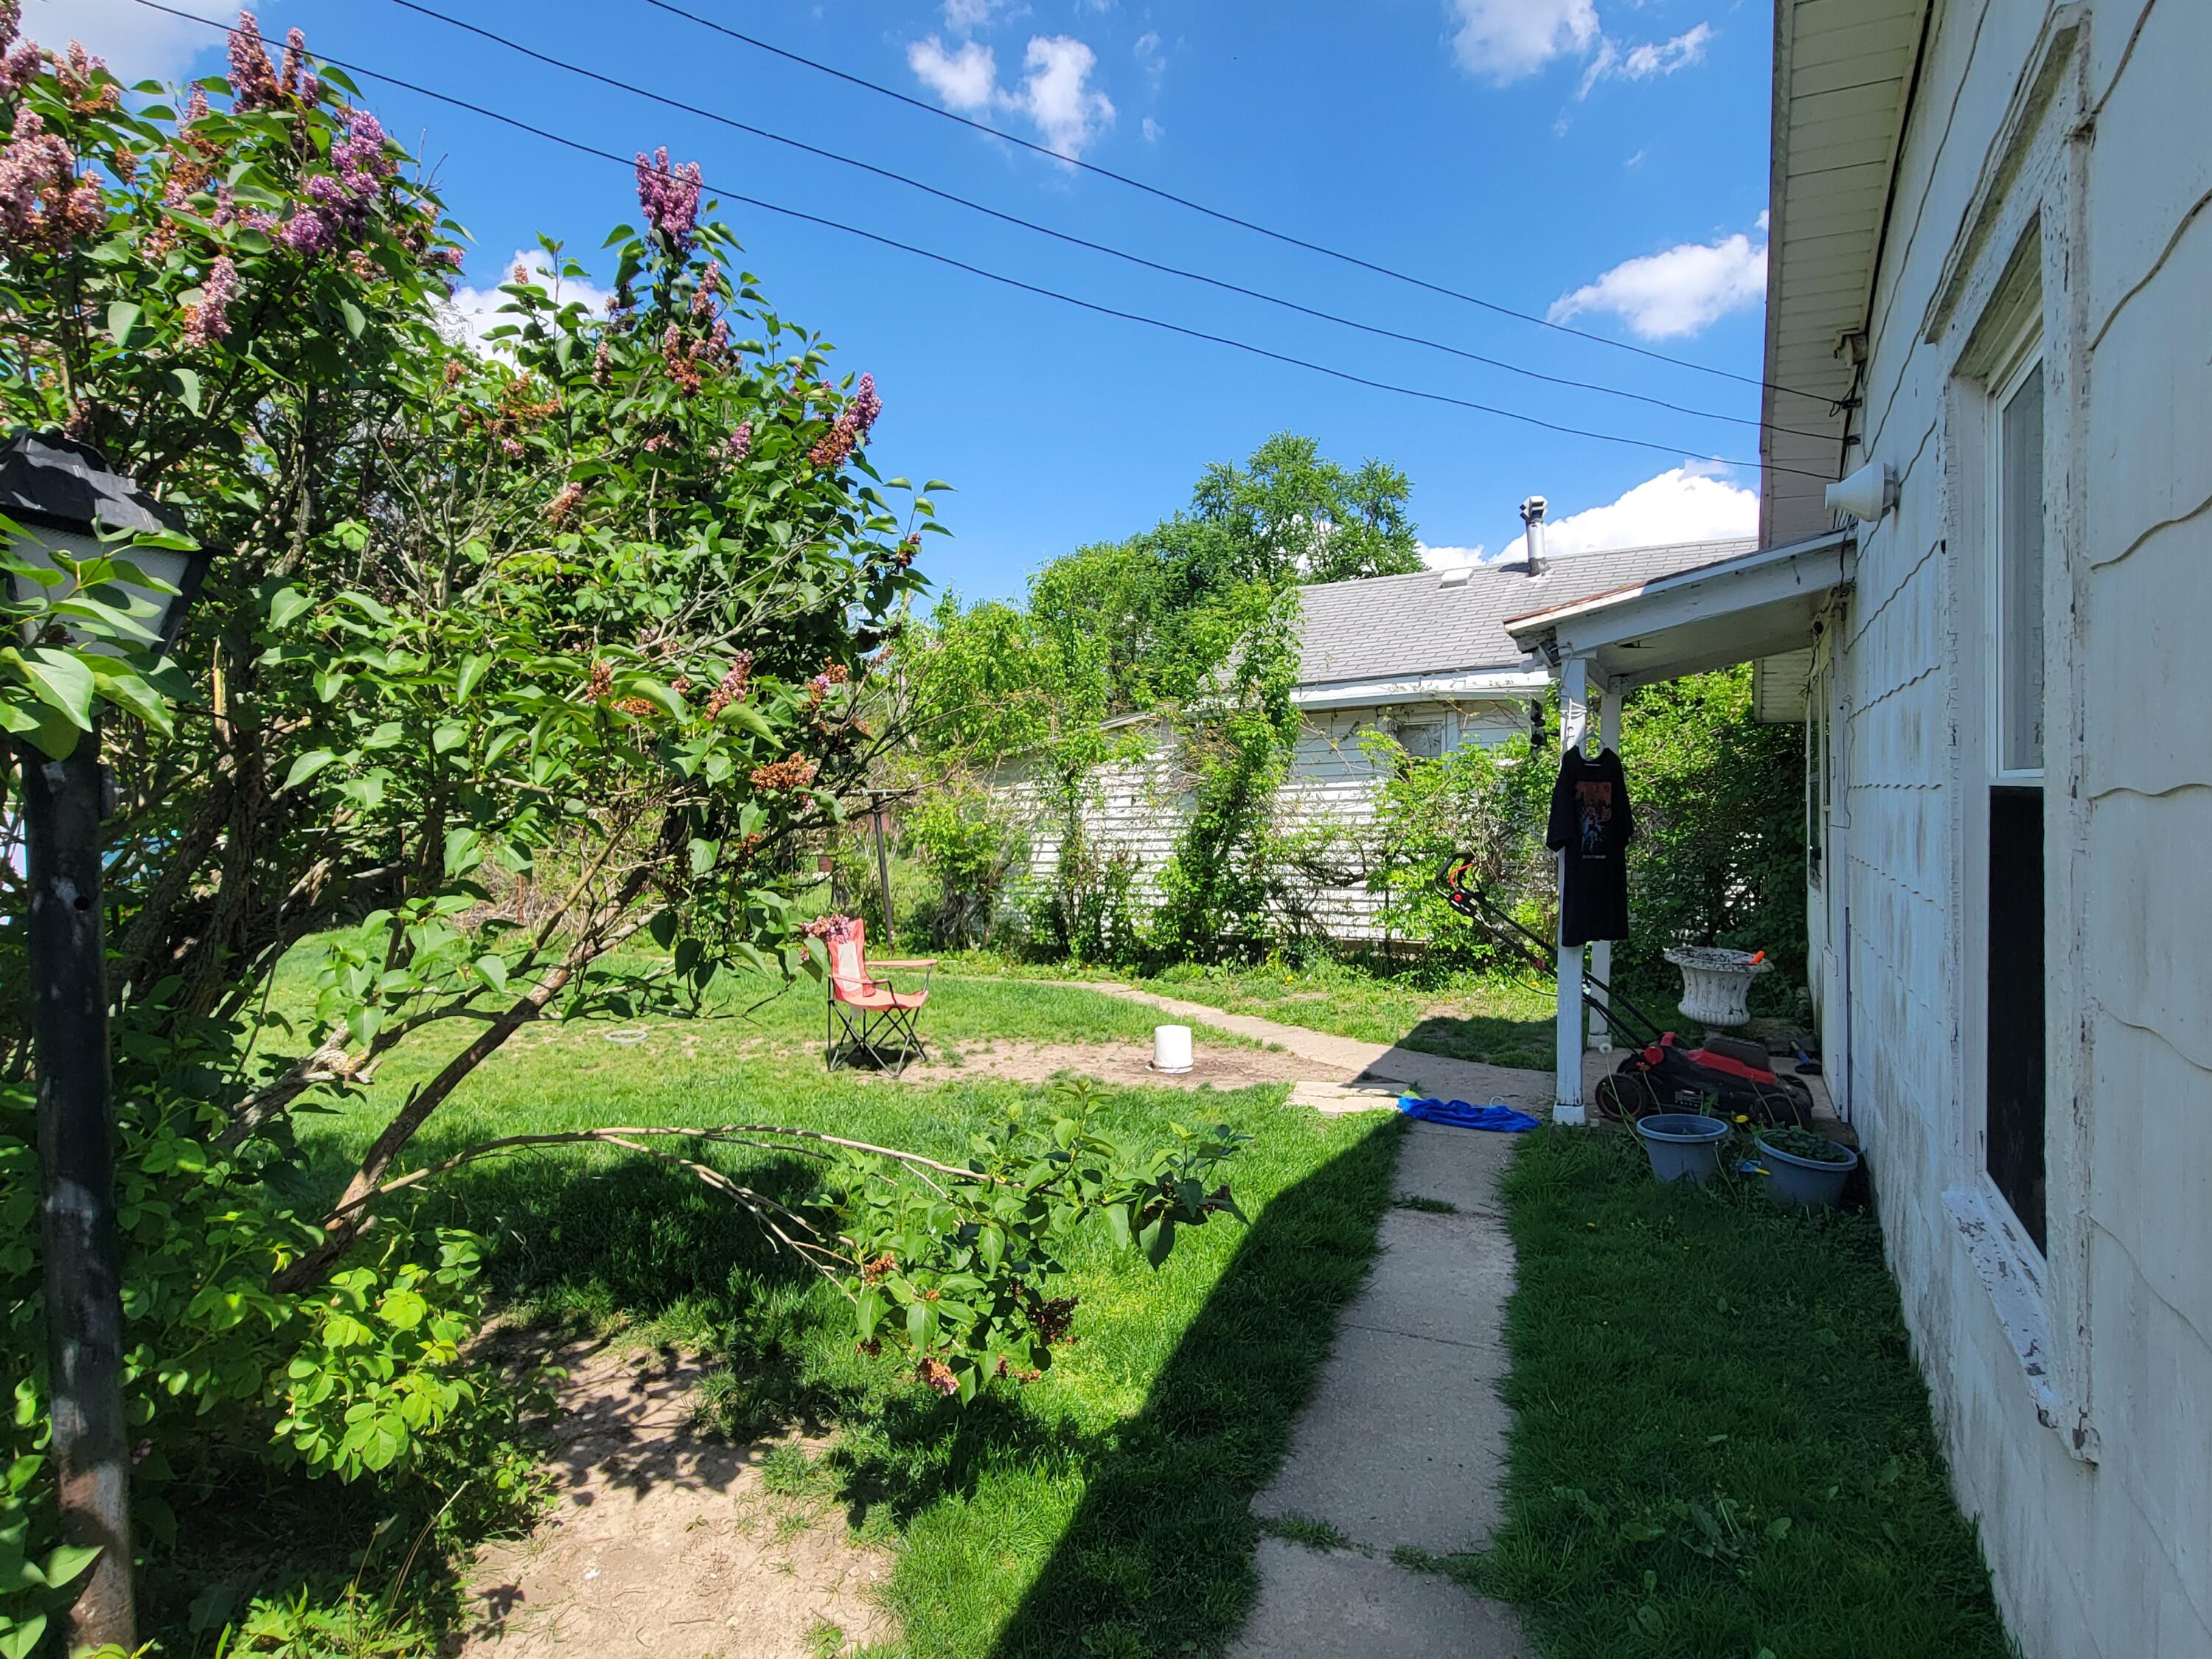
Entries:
{"x":62,"y":495}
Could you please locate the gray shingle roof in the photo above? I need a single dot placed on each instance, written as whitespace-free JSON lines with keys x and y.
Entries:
{"x":1401,"y":627}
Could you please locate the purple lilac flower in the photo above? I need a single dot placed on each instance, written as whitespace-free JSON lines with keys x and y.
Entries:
{"x":253,"y":80}
{"x":710,"y":282}
{"x":306,"y":233}
{"x":19,"y":66}
{"x":851,"y":427}
{"x":670,"y":197}
{"x":196,"y":107}
{"x":602,"y":363}
{"x":37,"y":174}
{"x":866,"y":405}
{"x":741,"y":441}
{"x":11,"y":20}
{"x":210,"y":320}
{"x":295,"y":63}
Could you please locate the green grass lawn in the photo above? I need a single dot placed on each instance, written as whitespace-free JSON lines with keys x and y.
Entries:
{"x":1111,"y":1499}
{"x":1722,"y":1444}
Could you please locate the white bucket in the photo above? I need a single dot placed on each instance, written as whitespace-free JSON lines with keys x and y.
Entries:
{"x":1171,"y":1047}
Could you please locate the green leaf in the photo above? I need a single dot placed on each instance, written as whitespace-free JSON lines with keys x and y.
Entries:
{"x":448,"y":735}
{"x":403,"y":1310}
{"x":305,"y":767}
{"x":17,"y":1642}
{"x":472,"y":673}
{"x":493,"y":971}
{"x":869,"y":1312}
{"x":288,"y":603}
{"x":68,"y":1560}
{"x":355,"y":322}
{"x":1117,"y":1224}
{"x":662,"y":928}
{"x":61,"y":680}
{"x":122,"y":318}
{"x":188,"y":385}
{"x":703,"y":854}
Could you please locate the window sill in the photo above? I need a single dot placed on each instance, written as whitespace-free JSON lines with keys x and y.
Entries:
{"x":2012,"y":1271}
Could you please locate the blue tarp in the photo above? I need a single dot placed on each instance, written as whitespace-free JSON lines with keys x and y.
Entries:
{"x":1461,"y":1115}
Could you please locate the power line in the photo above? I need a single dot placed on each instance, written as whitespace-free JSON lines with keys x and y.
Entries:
{"x":583,"y":148}
{"x":1224,"y":216}
{"x":1374,"y":328}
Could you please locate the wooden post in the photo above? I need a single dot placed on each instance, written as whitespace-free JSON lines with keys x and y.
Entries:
{"x":1567,"y":1080}
{"x":68,"y":962}
{"x":1608,"y":734}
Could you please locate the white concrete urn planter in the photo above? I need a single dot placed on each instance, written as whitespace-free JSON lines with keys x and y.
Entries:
{"x":1716,"y":982}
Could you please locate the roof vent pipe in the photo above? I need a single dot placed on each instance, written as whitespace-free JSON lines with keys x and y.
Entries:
{"x":1532,"y":514}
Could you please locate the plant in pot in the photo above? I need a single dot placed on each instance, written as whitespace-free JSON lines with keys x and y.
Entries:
{"x":1802,"y":1170}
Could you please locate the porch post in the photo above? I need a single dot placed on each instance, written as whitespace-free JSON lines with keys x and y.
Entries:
{"x":1567,"y":1081}
{"x":1608,"y":734}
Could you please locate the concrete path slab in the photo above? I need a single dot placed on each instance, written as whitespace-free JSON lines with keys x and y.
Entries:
{"x":1404,"y":1442}
{"x":1349,"y":1060}
{"x":1339,"y":1604}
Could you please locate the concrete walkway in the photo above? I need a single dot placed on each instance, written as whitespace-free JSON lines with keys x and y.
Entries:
{"x":1403,"y":1443}
{"x":1350,"y":1061}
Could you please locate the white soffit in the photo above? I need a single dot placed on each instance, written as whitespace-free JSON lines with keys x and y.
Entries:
{"x":1761,"y":604}
{"x":1842,"y":81}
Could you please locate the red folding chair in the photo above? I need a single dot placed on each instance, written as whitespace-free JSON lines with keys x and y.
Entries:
{"x":874,"y":1013}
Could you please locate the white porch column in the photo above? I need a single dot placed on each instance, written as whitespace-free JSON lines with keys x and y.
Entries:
{"x":1600,"y":959}
{"x":1567,"y":1082}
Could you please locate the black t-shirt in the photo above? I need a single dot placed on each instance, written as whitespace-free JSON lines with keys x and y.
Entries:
{"x":1592,"y":825}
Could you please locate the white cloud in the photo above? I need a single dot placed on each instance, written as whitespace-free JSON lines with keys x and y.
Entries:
{"x":966,"y":17}
{"x":1150,"y":57}
{"x":139,"y":44}
{"x":1641,"y":63}
{"x":1504,"y":41}
{"x":1451,"y":558}
{"x":1684,"y":503}
{"x":1153,"y":130}
{"x":964,"y":80}
{"x":1663,"y":296}
{"x":1055,"y":92}
{"x":473,"y":311}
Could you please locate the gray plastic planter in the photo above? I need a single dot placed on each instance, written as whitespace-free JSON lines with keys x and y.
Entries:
{"x":1682,"y":1145}
{"x":1805,"y":1183}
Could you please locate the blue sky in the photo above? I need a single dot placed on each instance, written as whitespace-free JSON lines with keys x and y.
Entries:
{"x":1601,"y":161}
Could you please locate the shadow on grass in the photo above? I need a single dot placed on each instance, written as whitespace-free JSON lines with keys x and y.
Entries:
{"x":1158,"y":1558}
{"x":1490,"y":1038}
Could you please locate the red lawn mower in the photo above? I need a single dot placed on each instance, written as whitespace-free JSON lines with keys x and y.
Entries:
{"x":1727,"y":1077}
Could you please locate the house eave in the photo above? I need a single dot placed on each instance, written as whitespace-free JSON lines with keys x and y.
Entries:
{"x":1472,"y":685}
{"x":1719,"y":614}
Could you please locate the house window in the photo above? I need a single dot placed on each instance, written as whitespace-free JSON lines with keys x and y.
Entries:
{"x":2013,"y":1122}
{"x":1420,"y":739}
{"x":2020,"y":573}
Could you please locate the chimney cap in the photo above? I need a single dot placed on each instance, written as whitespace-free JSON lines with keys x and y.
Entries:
{"x":1531,"y":510}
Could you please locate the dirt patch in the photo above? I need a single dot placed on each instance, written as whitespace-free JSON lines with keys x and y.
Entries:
{"x":1219,"y":1067}
{"x":665,"y":1540}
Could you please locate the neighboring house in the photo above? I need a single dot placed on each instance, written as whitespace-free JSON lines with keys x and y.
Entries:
{"x":1990,"y":255}
{"x":1425,"y":659}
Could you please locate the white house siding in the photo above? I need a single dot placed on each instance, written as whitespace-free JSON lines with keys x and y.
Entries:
{"x":1141,"y":807}
{"x":2096,"y":1509}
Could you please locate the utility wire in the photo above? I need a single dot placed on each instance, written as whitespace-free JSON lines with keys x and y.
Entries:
{"x":1221,"y":214}
{"x":583,"y":148}
{"x":631,"y":87}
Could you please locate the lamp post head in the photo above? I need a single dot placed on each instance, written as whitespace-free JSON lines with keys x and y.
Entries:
{"x":63,"y":498}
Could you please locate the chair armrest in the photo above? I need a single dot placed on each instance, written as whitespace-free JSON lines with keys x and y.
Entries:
{"x":903,"y":962}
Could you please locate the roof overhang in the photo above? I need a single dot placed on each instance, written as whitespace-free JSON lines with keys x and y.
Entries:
{"x":1469,"y":686}
{"x":1715,"y":617}
{"x":1844,"y":72}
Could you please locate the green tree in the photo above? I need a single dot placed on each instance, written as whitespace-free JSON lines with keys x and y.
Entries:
{"x":1288,"y":514}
